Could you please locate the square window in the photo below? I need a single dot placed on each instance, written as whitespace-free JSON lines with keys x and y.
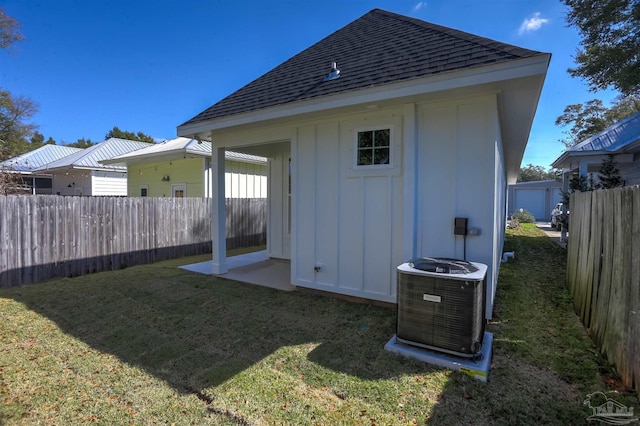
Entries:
{"x":374,"y":147}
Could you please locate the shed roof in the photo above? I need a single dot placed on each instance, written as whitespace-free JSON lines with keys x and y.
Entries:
{"x":32,"y":160}
{"x":178,"y":147}
{"x":89,"y":158}
{"x":377,"y":49}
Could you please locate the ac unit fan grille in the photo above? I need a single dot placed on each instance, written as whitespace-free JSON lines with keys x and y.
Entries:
{"x":454,"y":324}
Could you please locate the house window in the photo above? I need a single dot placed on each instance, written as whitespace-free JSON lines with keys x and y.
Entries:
{"x":373,"y":147}
{"x":144,"y":191}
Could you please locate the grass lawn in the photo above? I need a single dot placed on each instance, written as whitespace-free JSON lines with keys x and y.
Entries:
{"x":154,"y":344}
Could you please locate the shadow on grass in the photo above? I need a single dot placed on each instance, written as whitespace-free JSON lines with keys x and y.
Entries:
{"x":195,"y":331}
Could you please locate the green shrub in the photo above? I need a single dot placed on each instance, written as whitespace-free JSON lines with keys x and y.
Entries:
{"x":523,"y":216}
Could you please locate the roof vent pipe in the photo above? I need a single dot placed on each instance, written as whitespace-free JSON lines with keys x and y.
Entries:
{"x":334,"y":73}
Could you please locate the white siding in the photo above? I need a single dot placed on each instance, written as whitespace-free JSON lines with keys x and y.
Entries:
{"x":349,"y":222}
{"x":108,"y":183}
{"x":244,"y":180}
{"x":460,"y":174}
{"x":71,"y":182}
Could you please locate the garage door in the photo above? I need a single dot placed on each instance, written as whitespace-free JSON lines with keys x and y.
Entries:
{"x":531,"y":200}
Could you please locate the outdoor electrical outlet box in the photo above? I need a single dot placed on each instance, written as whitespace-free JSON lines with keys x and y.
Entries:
{"x":460,"y":226}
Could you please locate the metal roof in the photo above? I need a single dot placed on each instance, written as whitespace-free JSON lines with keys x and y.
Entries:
{"x":377,"y":49}
{"x":179,"y":147}
{"x":89,"y":158}
{"x":614,"y":137}
{"x":32,"y":160}
{"x":617,"y":138}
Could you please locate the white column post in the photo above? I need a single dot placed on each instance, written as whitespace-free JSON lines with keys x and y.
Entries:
{"x":218,"y":212}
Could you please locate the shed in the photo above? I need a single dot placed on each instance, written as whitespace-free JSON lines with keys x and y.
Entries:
{"x":377,"y":138}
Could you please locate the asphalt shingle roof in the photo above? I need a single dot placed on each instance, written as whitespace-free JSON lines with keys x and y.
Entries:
{"x":37,"y":158}
{"x":378,"y":48}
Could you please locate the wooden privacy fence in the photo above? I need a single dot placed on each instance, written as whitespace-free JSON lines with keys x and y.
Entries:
{"x":48,"y":236}
{"x":603,"y":273}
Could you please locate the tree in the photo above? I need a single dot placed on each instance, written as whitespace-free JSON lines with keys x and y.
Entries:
{"x":592,"y":117}
{"x":15,"y":131}
{"x":609,"y":175}
{"x":139,"y":136}
{"x":585,"y":120}
{"x":609,"y":55}
{"x":532,"y":173}
{"x":9,"y":32}
{"x":81,"y":143}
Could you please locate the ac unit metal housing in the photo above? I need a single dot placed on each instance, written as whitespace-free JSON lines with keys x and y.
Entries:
{"x":442,"y":305}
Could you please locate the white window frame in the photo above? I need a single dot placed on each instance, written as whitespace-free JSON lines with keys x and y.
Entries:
{"x":392,"y":153}
{"x":141,"y":188}
{"x":175,"y":186}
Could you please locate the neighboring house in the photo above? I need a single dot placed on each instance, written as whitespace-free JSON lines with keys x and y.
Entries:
{"x":81,"y":173}
{"x":32,"y":181}
{"x":181,"y":167}
{"x":621,"y":140}
{"x":371,"y":160}
{"x":537,"y":197}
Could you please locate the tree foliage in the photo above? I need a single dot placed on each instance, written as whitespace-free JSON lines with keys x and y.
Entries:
{"x":15,"y":130}
{"x":609,"y":54}
{"x":609,"y":175}
{"x":9,"y":31}
{"x":531,"y":173}
{"x":81,"y":143}
{"x":588,"y":119}
{"x":132,"y":136}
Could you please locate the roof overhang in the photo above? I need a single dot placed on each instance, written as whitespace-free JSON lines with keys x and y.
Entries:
{"x":74,"y":167}
{"x":155,"y":157}
{"x":571,"y":160}
{"x":518,"y":82}
{"x":536,"y":65}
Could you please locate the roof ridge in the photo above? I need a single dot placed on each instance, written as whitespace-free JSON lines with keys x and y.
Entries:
{"x":378,"y":48}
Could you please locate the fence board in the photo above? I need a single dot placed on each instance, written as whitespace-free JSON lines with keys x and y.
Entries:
{"x":603,"y":273}
{"x":634,"y":296}
{"x":47,"y":236}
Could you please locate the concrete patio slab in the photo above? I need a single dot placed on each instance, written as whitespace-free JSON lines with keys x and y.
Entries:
{"x":253,"y":268}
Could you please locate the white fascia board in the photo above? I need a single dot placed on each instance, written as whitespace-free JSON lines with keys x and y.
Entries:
{"x":176,"y":154}
{"x":446,"y":81}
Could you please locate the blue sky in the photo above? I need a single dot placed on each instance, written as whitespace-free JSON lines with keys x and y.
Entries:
{"x":146,"y":65}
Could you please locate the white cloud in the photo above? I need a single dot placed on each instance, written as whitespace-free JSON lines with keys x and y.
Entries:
{"x":532,"y":24}
{"x":421,"y":5}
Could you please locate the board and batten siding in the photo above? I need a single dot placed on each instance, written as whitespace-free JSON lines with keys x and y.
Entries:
{"x":461,"y":174}
{"x":245,"y":180}
{"x":351,"y":227}
{"x":348,"y":234}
